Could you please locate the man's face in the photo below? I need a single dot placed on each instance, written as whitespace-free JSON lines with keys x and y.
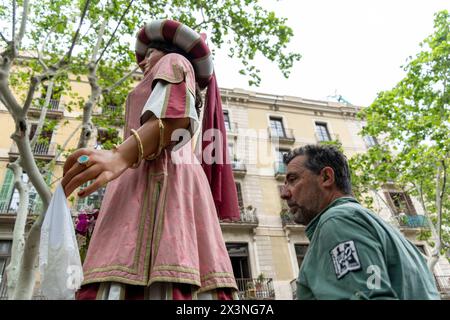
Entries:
{"x":302,"y":191}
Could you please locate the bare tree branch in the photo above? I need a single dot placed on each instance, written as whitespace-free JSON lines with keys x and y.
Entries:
{"x":43,"y":114}
{"x":66,"y":58}
{"x":19,"y":227}
{"x":51,"y":72}
{"x":23,"y":24}
{"x":7,"y":96}
{"x":30,"y":95}
{"x":118,"y":83}
{"x":196,"y":27}
{"x":40,"y":57}
{"x":3,"y":38}
{"x":14,"y":20}
{"x":114,"y":32}
{"x":99,"y":40}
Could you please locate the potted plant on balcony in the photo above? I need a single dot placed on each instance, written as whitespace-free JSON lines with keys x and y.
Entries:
{"x":250,"y":291}
{"x":260,"y":282}
{"x":285,"y":216}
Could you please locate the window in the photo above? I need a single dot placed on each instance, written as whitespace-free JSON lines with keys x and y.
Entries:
{"x":300,"y":252}
{"x":400,"y":202}
{"x":322,"y":131}
{"x":5,"y":255}
{"x":33,"y":198}
{"x":6,"y":191}
{"x":280,"y":154}
{"x":226,"y":119}
{"x":238,"y":253}
{"x":370,"y":141}
{"x":276,"y":127}
{"x":231,"y":151}
{"x":239,"y":195}
{"x":280,"y":166}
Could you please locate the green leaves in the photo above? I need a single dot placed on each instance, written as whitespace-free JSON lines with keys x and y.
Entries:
{"x":413,"y":121}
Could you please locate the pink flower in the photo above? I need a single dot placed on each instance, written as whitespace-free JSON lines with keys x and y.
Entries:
{"x":82,"y":224}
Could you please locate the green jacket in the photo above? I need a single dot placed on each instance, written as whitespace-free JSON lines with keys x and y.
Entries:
{"x":354,"y":254}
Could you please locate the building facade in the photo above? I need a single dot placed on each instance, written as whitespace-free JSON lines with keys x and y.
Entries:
{"x":266,"y":248}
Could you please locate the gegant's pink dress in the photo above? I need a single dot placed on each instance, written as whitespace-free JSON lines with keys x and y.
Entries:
{"x":158,"y":229}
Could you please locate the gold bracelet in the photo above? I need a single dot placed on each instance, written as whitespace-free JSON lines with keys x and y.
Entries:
{"x":161,"y":142}
{"x":140,"y":148}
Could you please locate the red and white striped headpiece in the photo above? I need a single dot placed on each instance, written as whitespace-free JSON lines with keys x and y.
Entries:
{"x":180,"y":35}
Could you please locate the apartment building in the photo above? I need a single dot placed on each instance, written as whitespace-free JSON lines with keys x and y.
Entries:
{"x":265,"y":246}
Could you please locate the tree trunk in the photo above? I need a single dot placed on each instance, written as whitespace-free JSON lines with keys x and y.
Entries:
{"x":18,"y":244}
{"x":439,"y":194}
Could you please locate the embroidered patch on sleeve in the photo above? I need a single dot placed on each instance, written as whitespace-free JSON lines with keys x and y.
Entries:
{"x":345,"y":258}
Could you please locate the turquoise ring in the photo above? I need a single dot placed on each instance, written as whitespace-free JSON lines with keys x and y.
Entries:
{"x":83,"y":160}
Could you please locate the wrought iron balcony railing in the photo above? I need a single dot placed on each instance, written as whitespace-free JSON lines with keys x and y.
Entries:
{"x":443,"y":284}
{"x":284,"y":136}
{"x":413,"y":221}
{"x":239,"y":168}
{"x":280,"y":169}
{"x":286,"y":217}
{"x":55,"y":109}
{"x":255,"y":289}
{"x":248,"y":216}
{"x":7,"y":208}
{"x":326,"y":138}
{"x":42,"y":149}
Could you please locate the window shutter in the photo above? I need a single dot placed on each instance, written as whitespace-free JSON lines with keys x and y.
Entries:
{"x":6,"y":191}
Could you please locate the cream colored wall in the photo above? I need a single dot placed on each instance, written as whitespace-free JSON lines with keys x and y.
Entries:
{"x":270,"y":196}
{"x":7,"y":128}
{"x":64,"y":130}
{"x":281,"y":257}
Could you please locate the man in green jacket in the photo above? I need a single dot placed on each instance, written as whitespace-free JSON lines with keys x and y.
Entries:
{"x":353,"y":254}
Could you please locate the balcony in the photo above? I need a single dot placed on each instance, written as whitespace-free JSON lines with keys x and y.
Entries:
{"x":286,"y":217}
{"x":8,"y":209}
{"x":112,"y":114}
{"x":327,"y":139}
{"x":248,"y":220}
{"x":41,"y":151}
{"x":443,"y":286}
{"x":287,"y":137}
{"x":255,"y":289}
{"x":55,"y":109}
{"x":233,"y":129}
{"x":413,"y":221}
{"x":280,"y":170}
{"x":288,"y":223}
{"x":239,"y":168}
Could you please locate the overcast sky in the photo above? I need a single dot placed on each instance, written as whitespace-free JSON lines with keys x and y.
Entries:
{"x":352,"y":47}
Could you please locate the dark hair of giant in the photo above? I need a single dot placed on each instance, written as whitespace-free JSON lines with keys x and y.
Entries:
{"x":321,"y":156}
{"x":169,"y":48}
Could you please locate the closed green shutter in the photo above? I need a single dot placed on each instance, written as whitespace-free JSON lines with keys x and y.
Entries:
{"x":6,"y":191}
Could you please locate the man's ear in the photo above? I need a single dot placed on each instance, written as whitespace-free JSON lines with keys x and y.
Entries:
{"x":328,"y":176}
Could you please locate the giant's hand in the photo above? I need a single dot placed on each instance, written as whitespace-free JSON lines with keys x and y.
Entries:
{"x":103,"y":166}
